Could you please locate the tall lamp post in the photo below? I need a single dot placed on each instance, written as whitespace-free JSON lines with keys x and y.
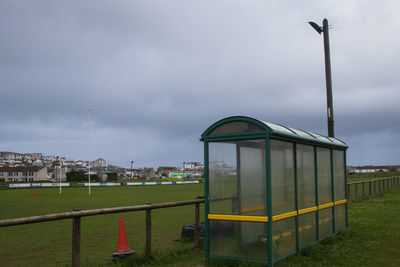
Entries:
{"x":132,"y":169}
{"x":325,"y":29}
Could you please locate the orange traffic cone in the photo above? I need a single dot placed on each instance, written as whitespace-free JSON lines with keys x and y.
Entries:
{"x":123,"y":249}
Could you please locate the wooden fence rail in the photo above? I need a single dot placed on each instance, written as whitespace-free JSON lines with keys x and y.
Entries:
{"x":356,"y":190}
{"x":77,"y":214}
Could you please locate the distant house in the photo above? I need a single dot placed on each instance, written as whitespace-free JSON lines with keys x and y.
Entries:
{"x":79,"y":163}
{"x":165,"y":170}
{"x":371,"y":168}
{"x":99,"y":163}
{"x":38,"y":163}
{"x":148,"y":173}
{"x":24,"y":174}
{"x":68,"y":163}
{"x":131,"y":173}
{"x":55,"y":174}
{"x":192,"y":165}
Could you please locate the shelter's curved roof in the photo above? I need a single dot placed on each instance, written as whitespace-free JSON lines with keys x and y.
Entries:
{"x":238,"y":125}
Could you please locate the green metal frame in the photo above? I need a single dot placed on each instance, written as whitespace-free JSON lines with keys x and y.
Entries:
{"x":206,"y":203}
{"x":296,"y":195}
{"x":333,"y":190}
{"x":267,"y":134}
{"x":269,"y":199}
{"x":345,"y":190}
{"x":316,"y":191}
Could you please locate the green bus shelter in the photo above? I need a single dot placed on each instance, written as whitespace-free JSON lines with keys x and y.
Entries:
{"x":270,"y":190}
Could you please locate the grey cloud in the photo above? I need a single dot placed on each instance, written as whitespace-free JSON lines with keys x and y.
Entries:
{"x":156,"y":74}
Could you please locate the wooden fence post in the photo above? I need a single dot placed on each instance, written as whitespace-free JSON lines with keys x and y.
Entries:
{"x":196,"y":225}
{"x":363,"y":188}
{"x":370,"y":188}
{"x":355,"y":190}
{"x":76,"y":240}
{"x":148,"y":232}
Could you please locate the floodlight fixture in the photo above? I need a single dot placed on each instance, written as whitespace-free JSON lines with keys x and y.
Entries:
{"x":316,"y":27}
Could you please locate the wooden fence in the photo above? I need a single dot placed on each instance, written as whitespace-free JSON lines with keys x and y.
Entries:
{"x":360,"y":189}
{"x":77,"y":214}
{"x":355,"y":190}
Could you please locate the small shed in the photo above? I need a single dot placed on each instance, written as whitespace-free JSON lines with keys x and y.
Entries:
{"x":270,"y":190}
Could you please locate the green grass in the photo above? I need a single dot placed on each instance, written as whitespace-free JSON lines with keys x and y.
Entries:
{"x":371,"y":240}
{"x":49,"y":243}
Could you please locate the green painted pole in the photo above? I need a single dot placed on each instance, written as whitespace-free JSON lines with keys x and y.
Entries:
{"x":269,"y":200}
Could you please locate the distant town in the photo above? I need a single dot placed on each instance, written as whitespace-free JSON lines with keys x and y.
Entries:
{"x":33,"y":167}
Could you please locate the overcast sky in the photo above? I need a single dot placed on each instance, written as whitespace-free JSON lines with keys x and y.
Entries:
{"x":156,"y":74}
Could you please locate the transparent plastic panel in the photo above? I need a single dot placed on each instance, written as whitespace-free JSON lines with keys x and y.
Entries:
{"x":340,"y":217}
{"x":282,"y":177}
{"x":339,"y":170}
{"x":279,"y":128}
{"x":244,"y":240}
{"x":283,"y":237}
{"x":236,"y":127}
{"x":223,"y":178}
{"x":325,"y":223}
{"x":307,"y":229}
{"x":237,"y":177}
{"x":322,"y":138}
{"x":324,"y":175}
{"x":337,"y":141}
{"x":305,"y":176}
{"x":252,"y":177}
{"x":303,"y":134}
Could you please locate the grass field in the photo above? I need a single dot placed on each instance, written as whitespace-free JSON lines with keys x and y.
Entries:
{"x":372,"y":238}
{"x":49,"y":243}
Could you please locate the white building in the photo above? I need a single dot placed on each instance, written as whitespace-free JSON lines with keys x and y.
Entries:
{"x":24,"y":174}
{"x":192,"y":165}
{"x":99,"y":163}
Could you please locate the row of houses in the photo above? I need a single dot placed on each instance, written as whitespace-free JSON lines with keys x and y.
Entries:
{"x":99,"y":171}
{"x":40,"y":160}
{"x":371,"y":168}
